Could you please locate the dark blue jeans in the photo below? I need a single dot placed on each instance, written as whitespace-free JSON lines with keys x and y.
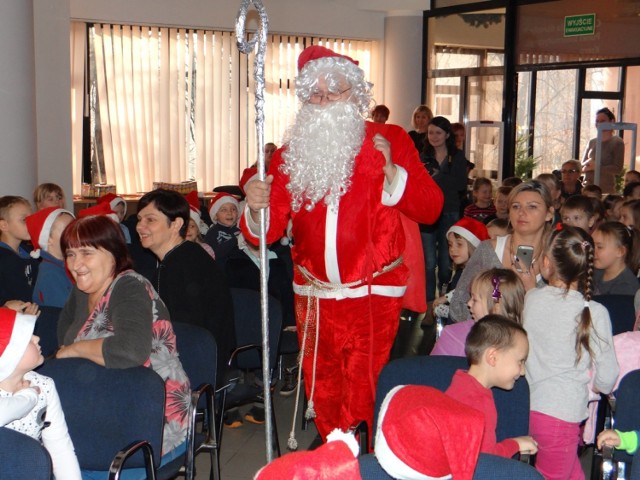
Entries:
{"x":436,"y":252}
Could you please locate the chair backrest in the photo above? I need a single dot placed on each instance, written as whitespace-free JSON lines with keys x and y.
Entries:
{"x":627,"y":414}
{"x":621,"y":311}
{"x":437,"y":371}
{"x":106,"y":409}
{"x":47,"y":329}
{"x":248,"y":323}
{"x":198,"y":353}
{"x":22,"y":457}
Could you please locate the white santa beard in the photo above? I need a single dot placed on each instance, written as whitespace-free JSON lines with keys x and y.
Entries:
{"x":324,"y":141}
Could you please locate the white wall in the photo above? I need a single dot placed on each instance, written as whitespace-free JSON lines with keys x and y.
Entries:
{"x":17,"y":116}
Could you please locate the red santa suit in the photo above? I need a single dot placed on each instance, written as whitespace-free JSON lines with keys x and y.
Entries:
{"x":349,"y":278}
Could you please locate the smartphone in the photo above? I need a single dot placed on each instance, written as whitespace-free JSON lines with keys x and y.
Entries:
{"x":524,"y":258}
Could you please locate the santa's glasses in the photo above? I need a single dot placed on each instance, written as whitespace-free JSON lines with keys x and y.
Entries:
{"x":318,"y":97}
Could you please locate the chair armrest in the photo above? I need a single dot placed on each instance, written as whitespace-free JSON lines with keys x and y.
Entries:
{"x":524,"y":457}
{"x":361,"y":432}
{"x":607,"y":462}
{"x":243,"y":348}
{"x":121,"y":457}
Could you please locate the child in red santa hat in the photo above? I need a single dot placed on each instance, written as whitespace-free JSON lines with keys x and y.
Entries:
{"x":223,"y":234}
{"x":463,"y":237}
{"x":53,"y":285}
{"x":418,"y":437}
{"x":119,"y":206}
{"x":197,"y":228}
{"x":19,"y":355}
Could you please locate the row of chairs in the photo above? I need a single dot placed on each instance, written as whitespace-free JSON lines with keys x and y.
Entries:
{"x":115,"y":417}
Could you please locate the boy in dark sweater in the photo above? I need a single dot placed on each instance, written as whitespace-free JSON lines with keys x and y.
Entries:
{"x":223,"y":234}
{"x":18,"y":271}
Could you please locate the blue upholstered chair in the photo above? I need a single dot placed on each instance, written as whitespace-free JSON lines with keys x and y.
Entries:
{"x":437,"y":372}
{"x":109,"y":409}
{"x":621,"y":309}
{"x":198,"y":354}
{"x":626,"y":417}
{"x":248,"y":354}
{"x":47,"y":329}
{"x":22,"y":457}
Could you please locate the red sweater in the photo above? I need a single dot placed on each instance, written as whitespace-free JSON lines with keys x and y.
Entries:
{"x":466,"y":389}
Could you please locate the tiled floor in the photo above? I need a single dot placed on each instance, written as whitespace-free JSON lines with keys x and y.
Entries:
{"x":243,"y":449}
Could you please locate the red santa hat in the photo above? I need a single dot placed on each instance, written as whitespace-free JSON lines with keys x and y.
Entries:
{"x":39,"y":225}
{"x":248,"y":175}
{"x":315,"y":52}
{"x":113,"y":200}
{"x":218,"y":201}
{"x":16,"y":330}
{"x":419,"y":435}
{"x":194,"y":206}
{"x":99,"y":209}
{"x":194,"y":211}
{"x":472,"y":230}
{"x":334,"y":460}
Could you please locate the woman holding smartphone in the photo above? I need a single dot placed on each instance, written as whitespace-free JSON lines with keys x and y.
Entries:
{"x":530,"y":214}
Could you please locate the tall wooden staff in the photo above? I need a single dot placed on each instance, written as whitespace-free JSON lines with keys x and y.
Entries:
{"x":247,"y":46}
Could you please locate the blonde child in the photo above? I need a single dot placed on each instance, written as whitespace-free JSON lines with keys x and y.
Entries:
{"x":568,"y":336}
{"x":223,"y":234}
{"x":617,"y":258}
{"x":496,"y":350}
{"x":18,"y":271}
{"x":497,"y":290}
{"x":482,"y":206}
{"x":48,"y":195}
{"x":577,"y":211}
{"x":45,"y":227}
{"x":19,"y":355}
{"x":463,"y":238}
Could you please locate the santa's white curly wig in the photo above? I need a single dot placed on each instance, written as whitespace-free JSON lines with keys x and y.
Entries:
{"x":335,"y":70}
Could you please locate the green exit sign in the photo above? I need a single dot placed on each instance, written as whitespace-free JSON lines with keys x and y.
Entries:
{"x":575,"y":25}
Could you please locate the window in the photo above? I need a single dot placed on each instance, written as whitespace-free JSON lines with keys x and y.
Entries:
{"x":173,"y":104}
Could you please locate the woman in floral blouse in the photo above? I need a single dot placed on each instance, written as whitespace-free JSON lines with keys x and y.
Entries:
{"x":115,"y":318}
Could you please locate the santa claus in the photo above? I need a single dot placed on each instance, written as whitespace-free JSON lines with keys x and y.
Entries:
{"x":343,"y":182}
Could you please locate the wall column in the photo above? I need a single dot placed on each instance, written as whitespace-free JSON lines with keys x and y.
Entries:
{"x":17,"y":98}
{"x":402,"y":65}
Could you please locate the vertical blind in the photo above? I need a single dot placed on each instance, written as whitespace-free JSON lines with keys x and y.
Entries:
{"x":172,"y":104}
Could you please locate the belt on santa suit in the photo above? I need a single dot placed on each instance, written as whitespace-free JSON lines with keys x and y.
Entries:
{"x":311,"y":290}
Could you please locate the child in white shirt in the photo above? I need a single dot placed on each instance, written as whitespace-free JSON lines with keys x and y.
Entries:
{"x":19,"y":355}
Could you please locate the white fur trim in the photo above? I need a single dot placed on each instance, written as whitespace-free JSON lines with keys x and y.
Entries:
{"x":330,"y":245}
{"x":386,"y":458}
{"x":195,"y":216}
{"x":357,"y":292}
{"x":20,"y":338}
{"x":392,"y":195}
{"x":338,"y":435}
{"x":116,"y":201}
{"x":466,"y":234}
{"x":215,"y":206}
{"x":43,"y":238}
{"x":254,"y":227}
